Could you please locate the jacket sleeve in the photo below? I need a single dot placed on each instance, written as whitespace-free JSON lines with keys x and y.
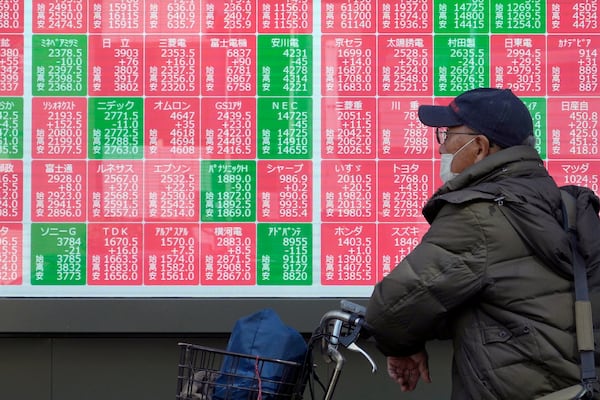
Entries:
{"x":411,"y":304}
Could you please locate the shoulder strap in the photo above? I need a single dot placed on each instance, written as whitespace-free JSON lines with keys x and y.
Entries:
{"x":583,"y":306}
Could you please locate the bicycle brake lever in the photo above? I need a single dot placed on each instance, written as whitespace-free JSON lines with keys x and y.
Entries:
{"x":354,"y":347}
{"x":352,"y":337}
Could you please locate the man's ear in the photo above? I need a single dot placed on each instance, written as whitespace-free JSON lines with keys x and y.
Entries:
{"x":482,"y":148}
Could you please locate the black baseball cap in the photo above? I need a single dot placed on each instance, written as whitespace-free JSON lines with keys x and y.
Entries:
{"x":496,"y":113}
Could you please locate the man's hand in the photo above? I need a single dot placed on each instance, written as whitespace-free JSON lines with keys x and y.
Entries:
{"x":406,"y":371}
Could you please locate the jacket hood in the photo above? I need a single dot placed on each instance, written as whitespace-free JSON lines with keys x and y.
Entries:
{"x":500,"y":174}
{"x":515,"y":179}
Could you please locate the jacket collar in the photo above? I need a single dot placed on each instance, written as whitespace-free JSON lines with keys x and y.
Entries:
{"x":483,"y":180}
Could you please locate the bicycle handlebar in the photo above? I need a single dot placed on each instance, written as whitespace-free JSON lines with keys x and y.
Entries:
{"x":342,"y":327}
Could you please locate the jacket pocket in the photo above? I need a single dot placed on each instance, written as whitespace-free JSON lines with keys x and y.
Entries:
{"x":512,"y":358}
{"x":496,"y":334}
{"x":501,"y":334}
{"x":506,"y":346}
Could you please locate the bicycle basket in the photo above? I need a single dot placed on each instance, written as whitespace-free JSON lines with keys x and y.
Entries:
{"x":212,"y":374}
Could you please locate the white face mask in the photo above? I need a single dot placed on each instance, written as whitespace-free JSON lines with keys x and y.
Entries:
{"x":446,"y":163}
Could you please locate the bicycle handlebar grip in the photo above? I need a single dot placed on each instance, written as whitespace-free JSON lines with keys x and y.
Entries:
{"x":351,"y":307}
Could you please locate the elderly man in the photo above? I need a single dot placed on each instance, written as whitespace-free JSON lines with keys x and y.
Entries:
{"x":493,"y":273}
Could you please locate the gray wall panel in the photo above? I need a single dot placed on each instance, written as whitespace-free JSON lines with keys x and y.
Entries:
{"x":132,"y":368}
{"x":25,"y":368}
{"x":151,"y":315}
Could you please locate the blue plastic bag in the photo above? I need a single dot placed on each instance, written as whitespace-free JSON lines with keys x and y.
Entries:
{"x":261,"y":334}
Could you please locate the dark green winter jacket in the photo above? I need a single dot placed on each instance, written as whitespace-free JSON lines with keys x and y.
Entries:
{"x":506,"y":302}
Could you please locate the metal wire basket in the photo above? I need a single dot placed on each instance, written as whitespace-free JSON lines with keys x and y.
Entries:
{"x":213,"y":374}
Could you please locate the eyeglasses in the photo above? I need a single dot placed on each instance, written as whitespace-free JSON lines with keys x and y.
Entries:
{"x":442,"y":134}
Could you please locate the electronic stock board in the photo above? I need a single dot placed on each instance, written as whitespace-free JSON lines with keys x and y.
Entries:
{"x":257,"y":148}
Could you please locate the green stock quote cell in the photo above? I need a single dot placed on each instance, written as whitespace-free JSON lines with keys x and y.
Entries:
{"x":59,"y":65}
{"x":58,"y":254}
{"x":285,"y":128}
{"x":284,"y":254}
{"x":460,"y":16}
{"x":285,"y":65}
{"x":116,"y":128}
{"x":228,"y":191}
{"x":538,"y":111}
{"x":462,"y":62}
{"x":11,"y":127}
